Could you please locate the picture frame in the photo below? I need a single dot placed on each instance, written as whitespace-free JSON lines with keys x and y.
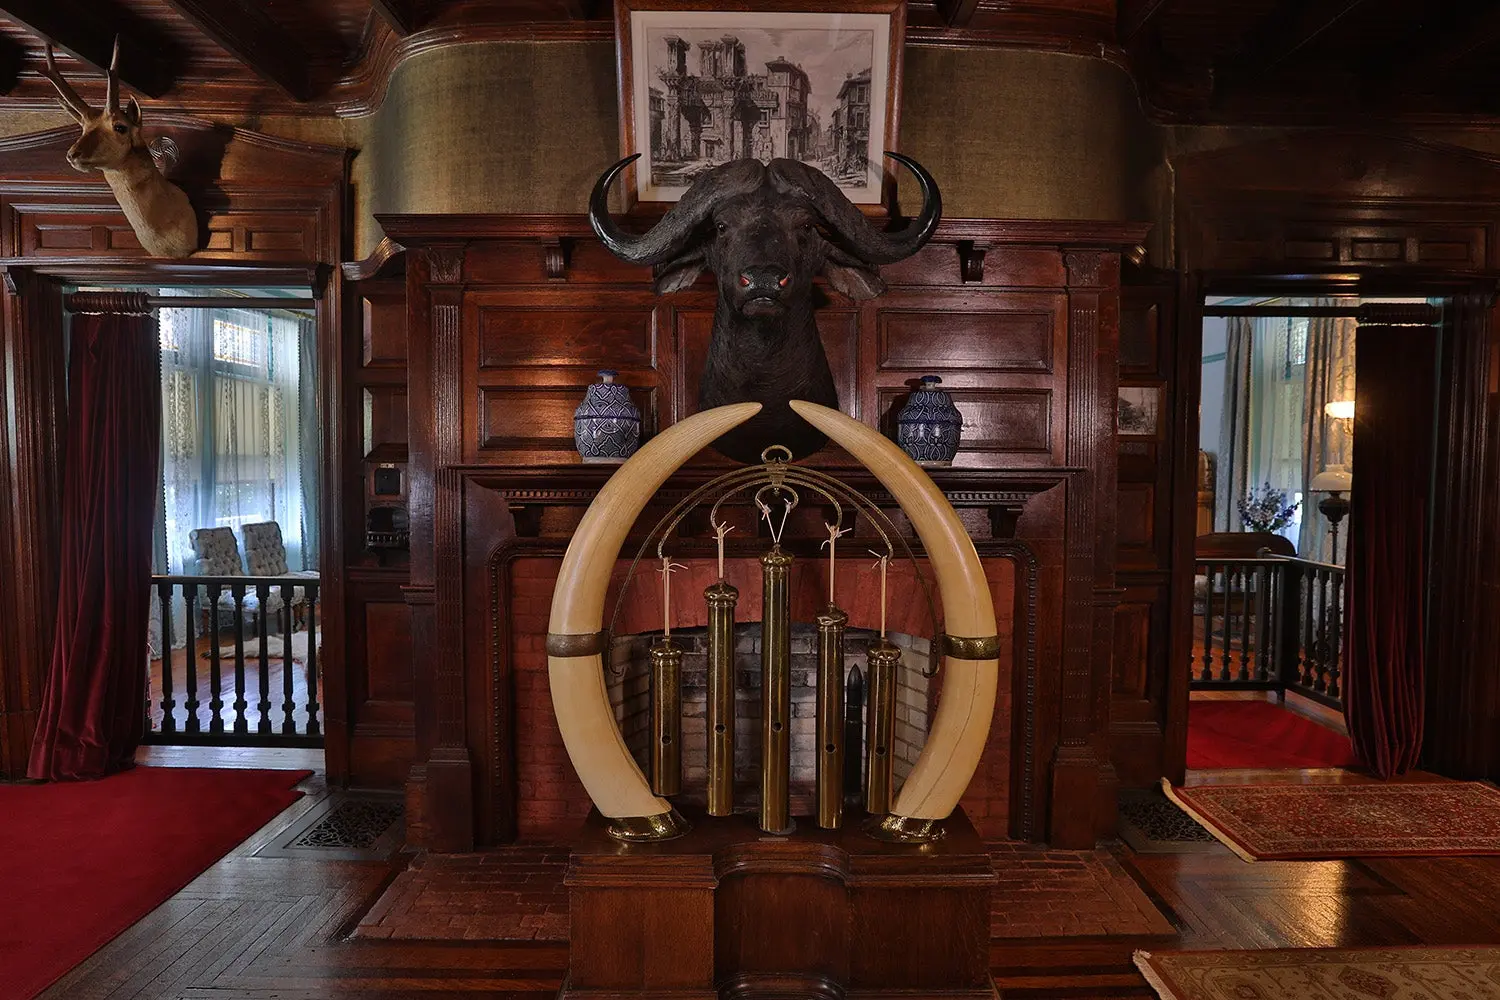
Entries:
{"x":1138,"y":413}
{"x":703,"y":83}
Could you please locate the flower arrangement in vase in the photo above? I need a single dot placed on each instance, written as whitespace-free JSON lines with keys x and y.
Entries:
{"x":1266,"y":509}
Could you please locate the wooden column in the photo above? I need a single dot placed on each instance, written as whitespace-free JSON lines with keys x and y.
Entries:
{"x":1080,"y":762}
{"x":440,"y":791}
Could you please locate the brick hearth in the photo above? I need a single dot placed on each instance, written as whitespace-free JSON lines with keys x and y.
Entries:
{"x":517,"y":894}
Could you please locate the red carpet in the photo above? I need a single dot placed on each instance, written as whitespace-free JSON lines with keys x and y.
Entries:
{"x":81,"y":861}
{"x":1260,"y":734}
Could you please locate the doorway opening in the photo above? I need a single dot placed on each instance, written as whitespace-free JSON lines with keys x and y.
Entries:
{"x":234,"y":637}
{"x":1270,"y":585}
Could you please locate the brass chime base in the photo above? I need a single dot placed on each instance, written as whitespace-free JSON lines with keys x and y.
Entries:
{"x":635,"y":829}
{"x":903,"y":829}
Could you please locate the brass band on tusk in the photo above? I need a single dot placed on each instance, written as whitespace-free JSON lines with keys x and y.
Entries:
{"x":721,"y":597}
{"x":969,"y":648}
{"x":666,"y":718}
{"x":663,"y":826}
{"x":580,"y":644}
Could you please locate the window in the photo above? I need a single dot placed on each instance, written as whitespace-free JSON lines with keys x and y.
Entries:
{"x":239,"y":426}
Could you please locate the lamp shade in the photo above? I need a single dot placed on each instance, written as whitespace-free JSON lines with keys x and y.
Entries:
{"x":1336,"y":479}
{"x":1340,"y":409}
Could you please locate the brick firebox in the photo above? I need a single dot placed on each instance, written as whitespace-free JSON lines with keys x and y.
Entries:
{"x":550,"y":800}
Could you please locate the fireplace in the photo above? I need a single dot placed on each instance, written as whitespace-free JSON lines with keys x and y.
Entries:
{"x":550,"y":800}
{"x":1020,"y":319}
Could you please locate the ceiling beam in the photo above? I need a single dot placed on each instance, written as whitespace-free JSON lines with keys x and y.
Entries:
{"x":1137,"y":16}
{"x":957,"y":13}
{"x":87,"y":33}
{"x":1278,"y":36}
{"x":12,"y":56}
{"x":400,"y":15}
{"x":244,"y":30}
{"x":1432,"y":52}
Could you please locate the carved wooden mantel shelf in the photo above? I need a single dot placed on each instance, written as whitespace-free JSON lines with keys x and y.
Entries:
{"x":1001,"y":494}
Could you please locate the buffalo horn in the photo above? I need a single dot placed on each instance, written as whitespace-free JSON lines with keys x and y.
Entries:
{"x":669,"y":237}
{"x":848,"y":225}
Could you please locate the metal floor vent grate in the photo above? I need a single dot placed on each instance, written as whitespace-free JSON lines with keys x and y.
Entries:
{"x":350,"y":826}
{"x":1154,"y":825}
{"x":354,"y":824}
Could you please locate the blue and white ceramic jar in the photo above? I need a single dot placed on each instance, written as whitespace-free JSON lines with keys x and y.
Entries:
{"x":607,"y":425}
{"x":929,"y":425}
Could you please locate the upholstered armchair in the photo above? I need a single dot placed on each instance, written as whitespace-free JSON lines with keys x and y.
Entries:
{"x":265,"y":554}
{"x":265,"y":551}
{"x":217,"y":553}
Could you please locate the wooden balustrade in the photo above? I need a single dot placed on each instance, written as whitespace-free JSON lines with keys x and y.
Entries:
{"x":187,"y":705}
{"x":1269,"y":623}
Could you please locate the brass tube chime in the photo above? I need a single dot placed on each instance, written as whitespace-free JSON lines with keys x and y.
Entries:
{"x":880,"y":710}
{"x":666,"y":717}
{"x":830,"y":770}
{"x":776,"y":691}
{"x":722,"y":598}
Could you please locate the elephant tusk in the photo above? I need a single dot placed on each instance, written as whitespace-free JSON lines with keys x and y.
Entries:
{"x":967,"y":704}
{"x":579,"y":698}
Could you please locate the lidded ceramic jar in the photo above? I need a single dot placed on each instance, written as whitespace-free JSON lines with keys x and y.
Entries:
{"x":929,"y":425}
{"x":607,"y":425}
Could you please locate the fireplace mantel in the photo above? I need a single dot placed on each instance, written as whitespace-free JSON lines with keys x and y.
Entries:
{"x":508,"y":318}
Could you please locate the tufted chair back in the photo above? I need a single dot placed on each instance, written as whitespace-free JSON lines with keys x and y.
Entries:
{"x":217,"y":551}
{"x":265,"y":552}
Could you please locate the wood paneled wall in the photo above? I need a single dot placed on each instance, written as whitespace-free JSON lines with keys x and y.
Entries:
{"x":379,"y":651}
{"x":508,"y":318}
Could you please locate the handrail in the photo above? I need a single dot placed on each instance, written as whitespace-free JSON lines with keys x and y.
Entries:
{"x":1269,"y":622}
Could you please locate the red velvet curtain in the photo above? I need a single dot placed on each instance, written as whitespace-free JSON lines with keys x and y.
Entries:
{"x":1387,"y":555}
{"x":93,"y":711}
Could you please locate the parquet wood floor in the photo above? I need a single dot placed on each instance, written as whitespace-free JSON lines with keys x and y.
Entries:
{"x":270,"y":928}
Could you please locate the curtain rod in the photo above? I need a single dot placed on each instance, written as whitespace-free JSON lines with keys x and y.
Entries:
{"x":141,"y":302}
{"x":1375,"y":313}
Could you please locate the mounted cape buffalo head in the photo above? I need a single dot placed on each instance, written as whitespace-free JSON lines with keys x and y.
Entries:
{"x":766,"y":231}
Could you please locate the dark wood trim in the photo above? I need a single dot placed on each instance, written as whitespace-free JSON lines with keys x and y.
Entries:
{"x":244,"y":30}
{"x":423,"y":230}
{"x":86,"y":30}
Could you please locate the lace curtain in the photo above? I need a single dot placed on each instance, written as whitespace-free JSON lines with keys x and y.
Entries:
{"x":1261,"y":432}
{"x":238,"y":391}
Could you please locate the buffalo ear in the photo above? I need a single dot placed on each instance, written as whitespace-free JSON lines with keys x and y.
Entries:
{"x":852,"y":276}
{"x":679,"y":272}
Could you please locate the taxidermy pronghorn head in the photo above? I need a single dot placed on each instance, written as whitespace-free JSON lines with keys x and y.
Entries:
{"x":157,"y":209}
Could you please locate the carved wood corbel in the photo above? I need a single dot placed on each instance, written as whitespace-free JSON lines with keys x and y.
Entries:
{"x":970,"y":262}
{"x":555,"y":258}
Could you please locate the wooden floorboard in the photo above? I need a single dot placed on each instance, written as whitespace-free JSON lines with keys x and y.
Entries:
{"x":276,"y":928}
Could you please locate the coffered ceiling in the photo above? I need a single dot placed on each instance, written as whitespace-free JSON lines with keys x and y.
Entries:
{"x":1195,"y":61}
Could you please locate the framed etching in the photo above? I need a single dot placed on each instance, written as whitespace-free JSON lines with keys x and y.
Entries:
{"x":1139,"y":410}
{"x":701,"y":84}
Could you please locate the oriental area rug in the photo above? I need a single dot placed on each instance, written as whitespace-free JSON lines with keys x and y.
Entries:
{"x":1415,"y":973}
{"x":1262,"y":822}
{"x":80,"y":861}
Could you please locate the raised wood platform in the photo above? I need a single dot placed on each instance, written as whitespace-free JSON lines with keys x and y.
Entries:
{"x":729,"y":912}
